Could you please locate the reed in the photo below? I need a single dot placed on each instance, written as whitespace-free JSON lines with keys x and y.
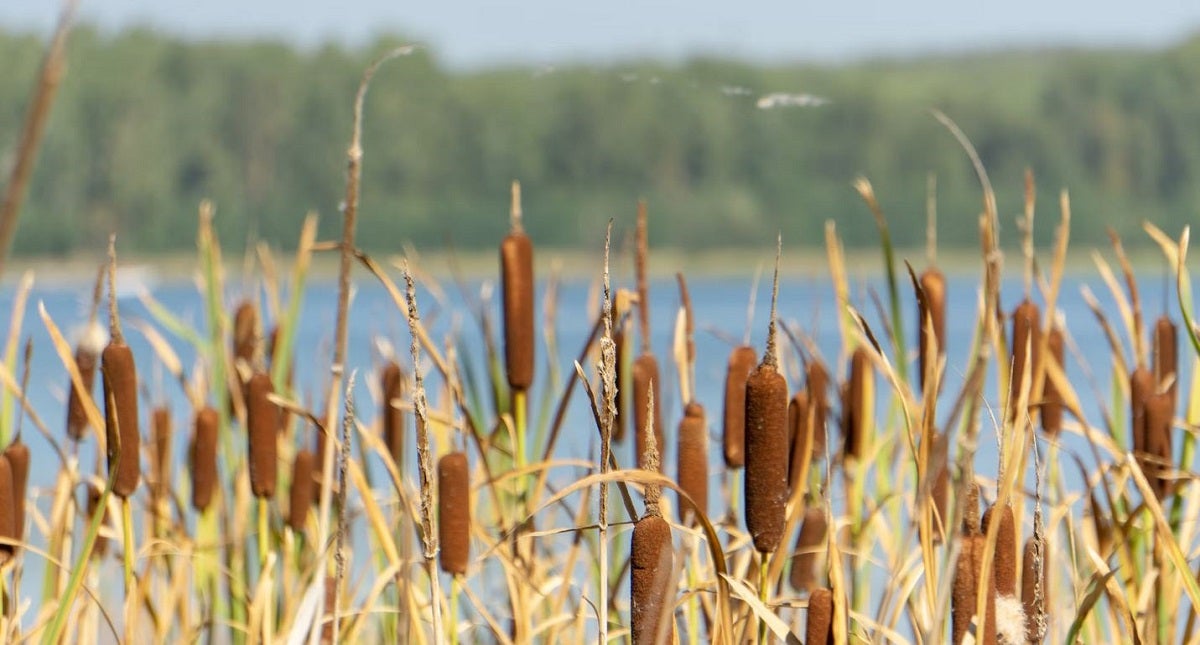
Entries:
{"x":262,"y":424}
{"x":454,"y":513}
{"x":741,"y":363}
{"x":202,"y":455}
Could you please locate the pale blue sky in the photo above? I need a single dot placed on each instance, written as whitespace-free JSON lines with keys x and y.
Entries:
{"x":482,"y":32}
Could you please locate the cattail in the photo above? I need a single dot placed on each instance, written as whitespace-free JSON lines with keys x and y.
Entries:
{"x":160,"y":439}
{"x":799,"y":438}
{"x":645,"y":376}
{"x":858,"y":405}
{"x":810,"y":544}
{"x":1101,"y":525}
{"x":1158,"y":423}
{"x":516,"y":280}
{"x":621,"y":349}
{"x":8,"y":502}
{"x":817,"y":386}
{"x":245,"y":331}
{"x":932,"y":306}
{"x":454,"y":513}
{"x":18,"y":460}
{"x":274,"y":353}
{"x":693,"y":459}
{"x":331,"y":598}
{"x":964,"y":593}
{"x":121,"y":416}
{"x":766,"y":439}
{"x":741,"y":363}
{"x":1166,"y":355}
{"x":392,"y":385}
{"x":1004,"y":562}
{"x":262,"y":420}
{"x":1141,"y":388}
{"x":203,"y":457}
{"x":1033,"y":589}
{"x":1052,"y":399}
{"x":819,"y":628}
{"x":970,"y":517}
{"x":941,"y":503}
{"x":1026,"y":326}
{"x":86,"y":355}
{"x":301,"y":497}
{"x":652,"y":560}
{"x":94,"y":496}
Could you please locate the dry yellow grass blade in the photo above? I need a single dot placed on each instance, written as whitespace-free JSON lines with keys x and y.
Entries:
{"x":761,"y":611}
{"x":1163,"y":535}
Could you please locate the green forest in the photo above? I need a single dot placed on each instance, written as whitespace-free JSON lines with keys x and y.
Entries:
{"x":147,"y":125}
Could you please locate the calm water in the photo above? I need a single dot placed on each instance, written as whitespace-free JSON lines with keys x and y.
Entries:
{"x":720,"y":310}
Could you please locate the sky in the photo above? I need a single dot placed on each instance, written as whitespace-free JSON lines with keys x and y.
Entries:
{"x":481,"y":33}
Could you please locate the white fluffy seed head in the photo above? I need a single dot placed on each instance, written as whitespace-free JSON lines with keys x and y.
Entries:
{"x":1010,"y":620}
{"x":93,"y":337}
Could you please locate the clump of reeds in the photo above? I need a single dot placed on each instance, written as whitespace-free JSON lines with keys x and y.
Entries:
{"x":454,"y":513}
{"x":120,"y":398}
{"x":262,"y":423}
{"x":741,"y":363}
{"x":202,"y":455}
{"x":301,"y":492}
{"x":392,"y":385}
{"x":766,"y":438}
{"x":651,"y":565}
{"x":517,"y":285}
{"x":810,"y":544}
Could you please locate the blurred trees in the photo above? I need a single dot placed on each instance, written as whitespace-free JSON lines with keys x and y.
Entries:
{"x":147,"y":125}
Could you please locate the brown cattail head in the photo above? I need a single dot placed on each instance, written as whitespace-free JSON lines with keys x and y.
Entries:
{"x":652,"y":561}
{"x":964,"y":592}
{"x":203,"y":457}
{"x":819,"y":628}
{"x":817,"y":386}
{"x":454,"y":513}
{"x":970,"y":516}
{"x":94,"y":496}
{"x":933,"y":307}
{"x":18,"y":459}
{"x":121,"y":416}
{"x":693,"y":460}
{"x":392,"y":386}
{"x":8,"y":502}
{"x":1034,"y":590}
{"x":1026,"y":331}
{"x":262,"y":420}
{"x":810,"y":544}
{"x":331,"y":600}
{"x":645,"y":376}
{"x":1159,"y":419}
{"x":741,"y":362}
{"x":799,"y":438}
{"x":517,"y":286}
{"x":1052,"y":399}
{"x":858,"y":406}
{"x":301,"y":496}
{"x":245,"y":332}
{"x":1004,"y":562}
{"x":1166,"y":355}
{"x":766,"y":458}
{"x":87,"y":353}
{"x":1141,"y":388}
{"x":160,"y":439}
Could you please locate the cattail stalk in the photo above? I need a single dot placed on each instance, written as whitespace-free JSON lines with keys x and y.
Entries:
{"x":931,"y":317}
{"x":766,"y":437}
{"x":693,"y":461}
{"x":517,"y":285}
{"x":203,"y":457}
{"x":810,"y":544}
{"x":1141,"y":388}
{"x":8,"y":502}
{"x":647,"y":416}
{"x":262,"y":421}
{"x":17,"y":454}
{"x":1026,"y":332}
{"x":1033,"y":589}
{"x":1004,"y":560}
{"x":965,"y":590}
{"x":819,"y":627}
{"x":652,"y":563}
{"x":817,"y":386}
{"x":800,"y":440}
{"x":392,"y":385}
{"x":1166,"y":357}
{"x":1158,"y":422}
{"x":301,"y":497}
{"x":858,"y":407}
{"x":454,"y":513}
{"x":160,"y":440}
{"x":1052,"y":398}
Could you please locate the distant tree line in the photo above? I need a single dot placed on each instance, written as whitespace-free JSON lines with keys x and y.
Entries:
{"x":147,"y":125}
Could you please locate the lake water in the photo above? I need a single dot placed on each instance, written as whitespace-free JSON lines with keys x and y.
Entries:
{"x":720,"y":305}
